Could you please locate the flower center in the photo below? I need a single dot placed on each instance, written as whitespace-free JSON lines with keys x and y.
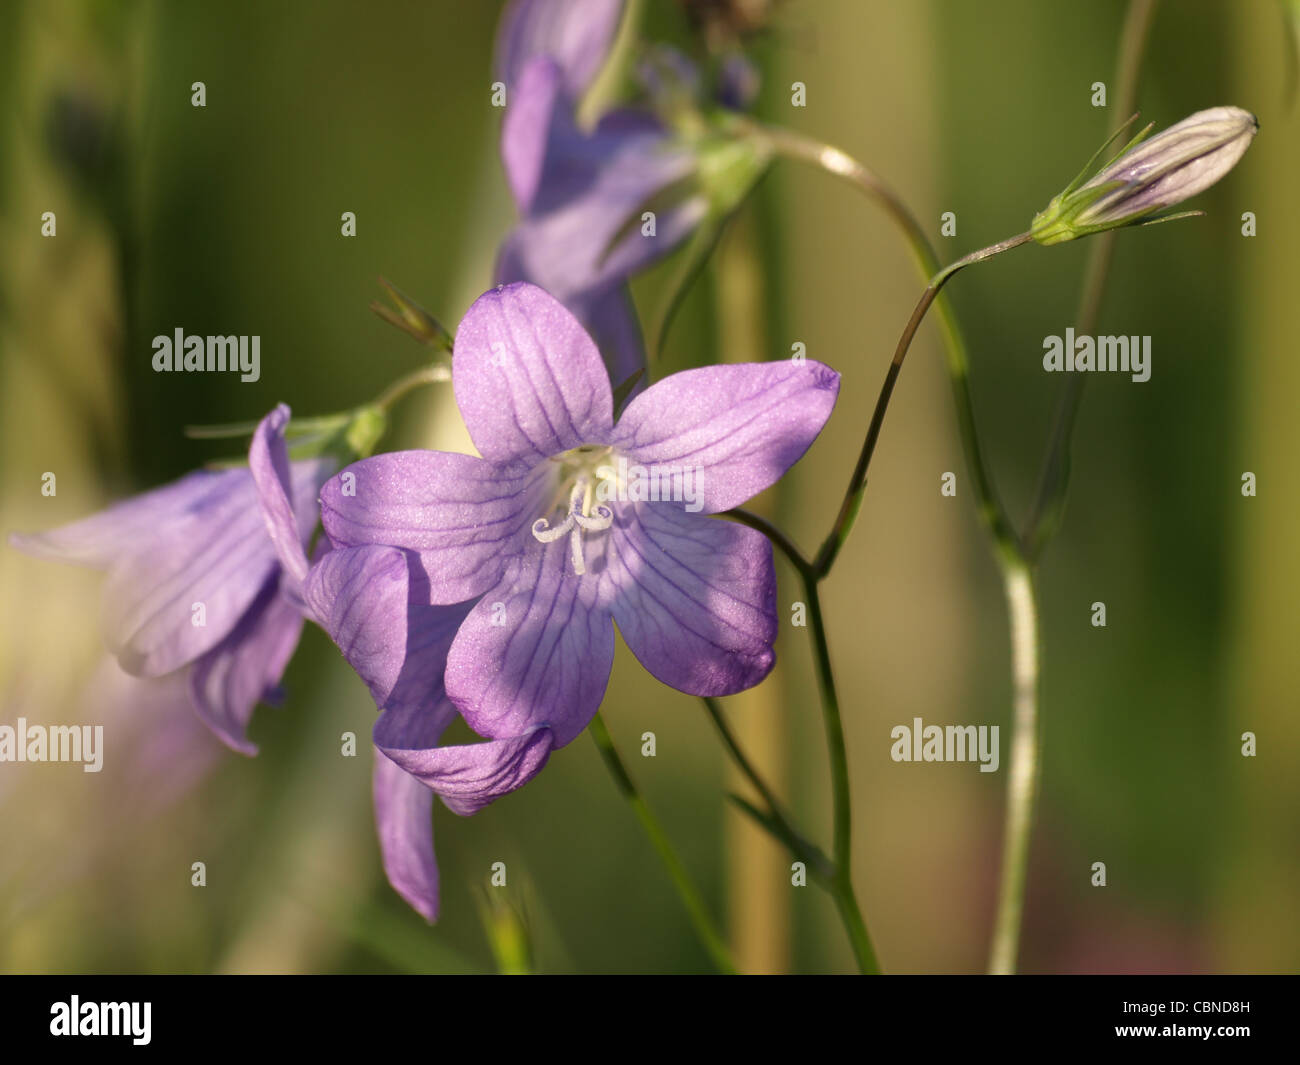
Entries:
{"x":583,"y":473}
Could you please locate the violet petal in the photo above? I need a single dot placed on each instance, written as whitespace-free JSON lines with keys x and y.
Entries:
{"x":739,"y":427}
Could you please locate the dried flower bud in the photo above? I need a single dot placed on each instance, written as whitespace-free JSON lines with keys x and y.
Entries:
{"x":1149,"y":175}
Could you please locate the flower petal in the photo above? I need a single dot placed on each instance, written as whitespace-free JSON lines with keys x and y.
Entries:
{"x":538,"y":118}
{"x":119,"y":530}
{"x":359,"y":595}
{"x":184,"y":589}
{"x":228,"y":682}
{"x":584,"y":229}
{"x":201,"y":540}
{"x":608,"y":315}
{"x":462,"y":515}
{"x":268,"y":459}
{"x":403,"y":818}
{"x":696,"y":598}
{"x":370,"y":601}
{"x":467,"y":776}
{"x":528,"y":379}
{"x":736,"y":428}
{"x":576,"y":34}
{"x":534,"y":651}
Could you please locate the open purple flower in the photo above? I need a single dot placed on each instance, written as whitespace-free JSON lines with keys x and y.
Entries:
{"x":570,"y":522}
{"x":195,"y":583}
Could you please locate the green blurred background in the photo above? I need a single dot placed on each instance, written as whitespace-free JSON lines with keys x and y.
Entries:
{"x":225,"y":219}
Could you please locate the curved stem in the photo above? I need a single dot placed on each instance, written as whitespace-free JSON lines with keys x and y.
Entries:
{"x":1014,"y":552}
{"x":791,"y":145}
{"x":686,"y":889}
{"x":426,"y":375}
{"x":1022,"y":780}
{"x":797,"y":147}
{"x":1044,"y":520}
{"x":778,"y":538}
{"x":858,"y":482}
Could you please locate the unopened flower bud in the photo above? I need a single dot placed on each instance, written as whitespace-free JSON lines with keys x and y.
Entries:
{"x":1149,"y":175}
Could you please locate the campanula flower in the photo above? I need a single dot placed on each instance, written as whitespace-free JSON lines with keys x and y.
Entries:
{"x":194,"y":581}
{"x":581,"y":193}
{"x":570,"y":522}
{"x":599,"y":205}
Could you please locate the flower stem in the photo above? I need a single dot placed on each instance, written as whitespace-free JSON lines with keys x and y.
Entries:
{"x":858,"y":482}
{"x":1022,"y":780}
{"x":842,"y":851}
{"x":774,"y":819}
{"x":1014,"y":552}
{"x":1044,"y":520}
{"x":689,"y":894}
{"x":425,"y":375}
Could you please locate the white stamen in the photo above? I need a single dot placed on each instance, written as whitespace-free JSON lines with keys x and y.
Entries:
{"x":602,"y":518}
{"x":543,"y":532}
{"x":575,"y":523}
{"x":575,"y":551}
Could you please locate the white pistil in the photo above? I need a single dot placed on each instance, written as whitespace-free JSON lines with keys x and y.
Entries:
{"x":581,"y":517}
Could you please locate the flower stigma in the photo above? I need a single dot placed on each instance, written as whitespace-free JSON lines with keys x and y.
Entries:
{"x":585,"y":476}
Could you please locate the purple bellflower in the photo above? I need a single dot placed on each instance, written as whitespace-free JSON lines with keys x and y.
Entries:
{"x":581,"y":194}
{"x":228,"y":549}
{"x":195,"y":583}
{"x":567,"y":523}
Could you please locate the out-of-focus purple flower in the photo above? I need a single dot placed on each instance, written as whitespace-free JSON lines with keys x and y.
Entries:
{"x":575,"y":34}
{"x":544,"y":541}
{"x":195,"y":582}
{"x":581,"y":194}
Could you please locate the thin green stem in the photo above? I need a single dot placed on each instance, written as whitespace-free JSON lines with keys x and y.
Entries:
{"x":686,"y":889}
{"x":1044,"y":519}
{"x":425,"y":375}
{"x":774,"y":819}
{"x":842,"y":851}
{"x":858,"y":482}
{"x":797,"y":147}
{"x":1023,"y":772}
{"x":836,"y":873}
{"x":778,"y":538}
{"x":1013,"y":551}
{"x":791,"y":145}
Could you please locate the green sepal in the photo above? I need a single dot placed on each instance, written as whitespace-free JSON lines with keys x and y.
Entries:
{"x":412,"y":319}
